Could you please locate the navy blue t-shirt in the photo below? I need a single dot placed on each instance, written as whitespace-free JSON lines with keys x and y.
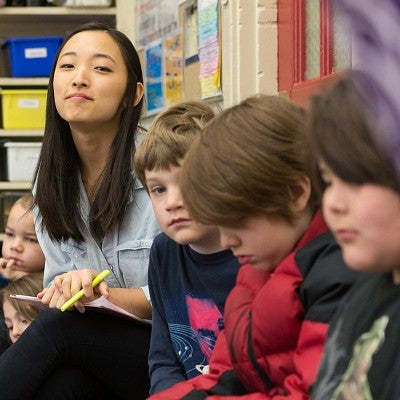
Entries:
{"x":188,"y":292}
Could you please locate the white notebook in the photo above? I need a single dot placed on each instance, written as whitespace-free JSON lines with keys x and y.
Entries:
{"x":100,"y":304}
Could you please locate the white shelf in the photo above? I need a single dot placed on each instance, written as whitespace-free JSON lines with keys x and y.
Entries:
{"x":5,"y":81}
{"x":4,"y":185}
{"x":14,"y":133}
{"x":57,"y":11}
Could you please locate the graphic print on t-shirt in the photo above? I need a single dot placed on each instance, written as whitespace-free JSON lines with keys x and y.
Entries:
{"x":354,"y":384}
{"x":194,"y":344}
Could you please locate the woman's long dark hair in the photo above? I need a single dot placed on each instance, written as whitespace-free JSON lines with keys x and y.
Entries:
{"x":57,"y":174}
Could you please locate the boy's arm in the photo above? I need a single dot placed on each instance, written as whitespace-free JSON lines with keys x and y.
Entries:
{"x":196,"y":388}
{"x":164,"y":367}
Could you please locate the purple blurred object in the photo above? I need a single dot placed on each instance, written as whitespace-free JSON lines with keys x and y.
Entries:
{"x":375,"y":29}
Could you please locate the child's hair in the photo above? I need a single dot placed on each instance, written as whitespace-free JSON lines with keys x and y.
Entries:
{"x":170,"y":136}
{"x":29,"y":285}
{"x":25,"y":201}
{"x":340,"y":134}
{"x":247,"y":161}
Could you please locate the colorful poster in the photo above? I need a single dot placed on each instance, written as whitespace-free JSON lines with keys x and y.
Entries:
{"x":154,"y":19}
{"x":209,"y":48}
{"x":173,"y":61}
{"x":154,"y":78}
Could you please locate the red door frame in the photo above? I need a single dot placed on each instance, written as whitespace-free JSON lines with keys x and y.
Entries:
{"x":291,"y":50}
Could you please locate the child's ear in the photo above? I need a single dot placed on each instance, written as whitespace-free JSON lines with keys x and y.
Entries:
{"x":301,"y":194}
{"x":139,"y":93}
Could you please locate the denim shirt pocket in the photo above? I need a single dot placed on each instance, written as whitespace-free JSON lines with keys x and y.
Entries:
{"x":133,"y":261}
{"x":77,"y":253}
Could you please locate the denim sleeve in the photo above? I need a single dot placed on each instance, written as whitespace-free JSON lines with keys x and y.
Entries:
{"x":124,"y":250}
{"x":56,"y":262}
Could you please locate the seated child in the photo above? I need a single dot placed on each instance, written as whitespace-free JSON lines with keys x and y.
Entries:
{"x":190,"y":274}
{"x":18,"y":314}
{"x":361,"y":203}
{"x":21,"y":252}
{"x":247,"y":174}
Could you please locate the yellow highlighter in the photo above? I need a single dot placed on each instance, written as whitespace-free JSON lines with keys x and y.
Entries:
{"x":96,"y":280}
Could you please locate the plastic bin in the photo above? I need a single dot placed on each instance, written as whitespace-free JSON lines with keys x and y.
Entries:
{"x":32,"y":57}
{"x":23,"y":109}
{"x":22,"y":158}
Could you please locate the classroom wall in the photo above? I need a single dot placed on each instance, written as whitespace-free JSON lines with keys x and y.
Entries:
{"x":249,"y":49}
{"x":249,"y":45}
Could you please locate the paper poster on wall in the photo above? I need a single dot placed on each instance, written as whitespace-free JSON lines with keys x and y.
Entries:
{"x":154,"y":78}
{"x":154,"y":19}
{"x":191,"y":33}
{"x":209,"y":48}
{"x":173,"y":63}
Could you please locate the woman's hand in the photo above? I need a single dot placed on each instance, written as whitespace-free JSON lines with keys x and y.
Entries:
{"x":68,"y":284}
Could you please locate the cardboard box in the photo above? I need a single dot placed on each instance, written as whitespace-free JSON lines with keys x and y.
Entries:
{"x":22,"y":158}
{"x":32,"y":56}
{"x":23,"y":109}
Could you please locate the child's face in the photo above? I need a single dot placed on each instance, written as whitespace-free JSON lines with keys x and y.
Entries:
{"x":365,"y":220}
{"x":16,"y":323}
{"x":166,"y":198}
{"x":20,"y":242}
{"x":263,"y":241}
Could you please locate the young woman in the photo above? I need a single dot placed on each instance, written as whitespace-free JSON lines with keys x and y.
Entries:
{"x":361,"y":204}
{"x":91,"y":215}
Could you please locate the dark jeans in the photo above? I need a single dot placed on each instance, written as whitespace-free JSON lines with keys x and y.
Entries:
{"x":72,"y":383}
{"x":68,"y":355}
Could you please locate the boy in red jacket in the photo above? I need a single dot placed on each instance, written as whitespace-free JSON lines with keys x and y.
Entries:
{"x":246,"y":173}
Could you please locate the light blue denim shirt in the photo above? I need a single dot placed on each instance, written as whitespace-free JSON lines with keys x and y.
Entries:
{"x":124,"y":250}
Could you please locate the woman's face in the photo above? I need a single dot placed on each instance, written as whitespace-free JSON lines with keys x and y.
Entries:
{"x":90,"y":81}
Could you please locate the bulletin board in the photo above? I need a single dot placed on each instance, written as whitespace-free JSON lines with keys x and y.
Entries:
{"x":196,"y":43}
{"x":191,"y":70}
{"x":201,"y":23}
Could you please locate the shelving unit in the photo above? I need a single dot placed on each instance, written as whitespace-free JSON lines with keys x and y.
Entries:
{"x":48,"y":21}
{"x":34,"y":11}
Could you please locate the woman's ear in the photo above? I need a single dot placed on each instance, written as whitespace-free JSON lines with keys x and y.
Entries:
{"x":302,"y":194}
{"x":139,"y":93}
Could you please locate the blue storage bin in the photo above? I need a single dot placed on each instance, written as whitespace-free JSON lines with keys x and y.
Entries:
{"x":33,"y":56}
